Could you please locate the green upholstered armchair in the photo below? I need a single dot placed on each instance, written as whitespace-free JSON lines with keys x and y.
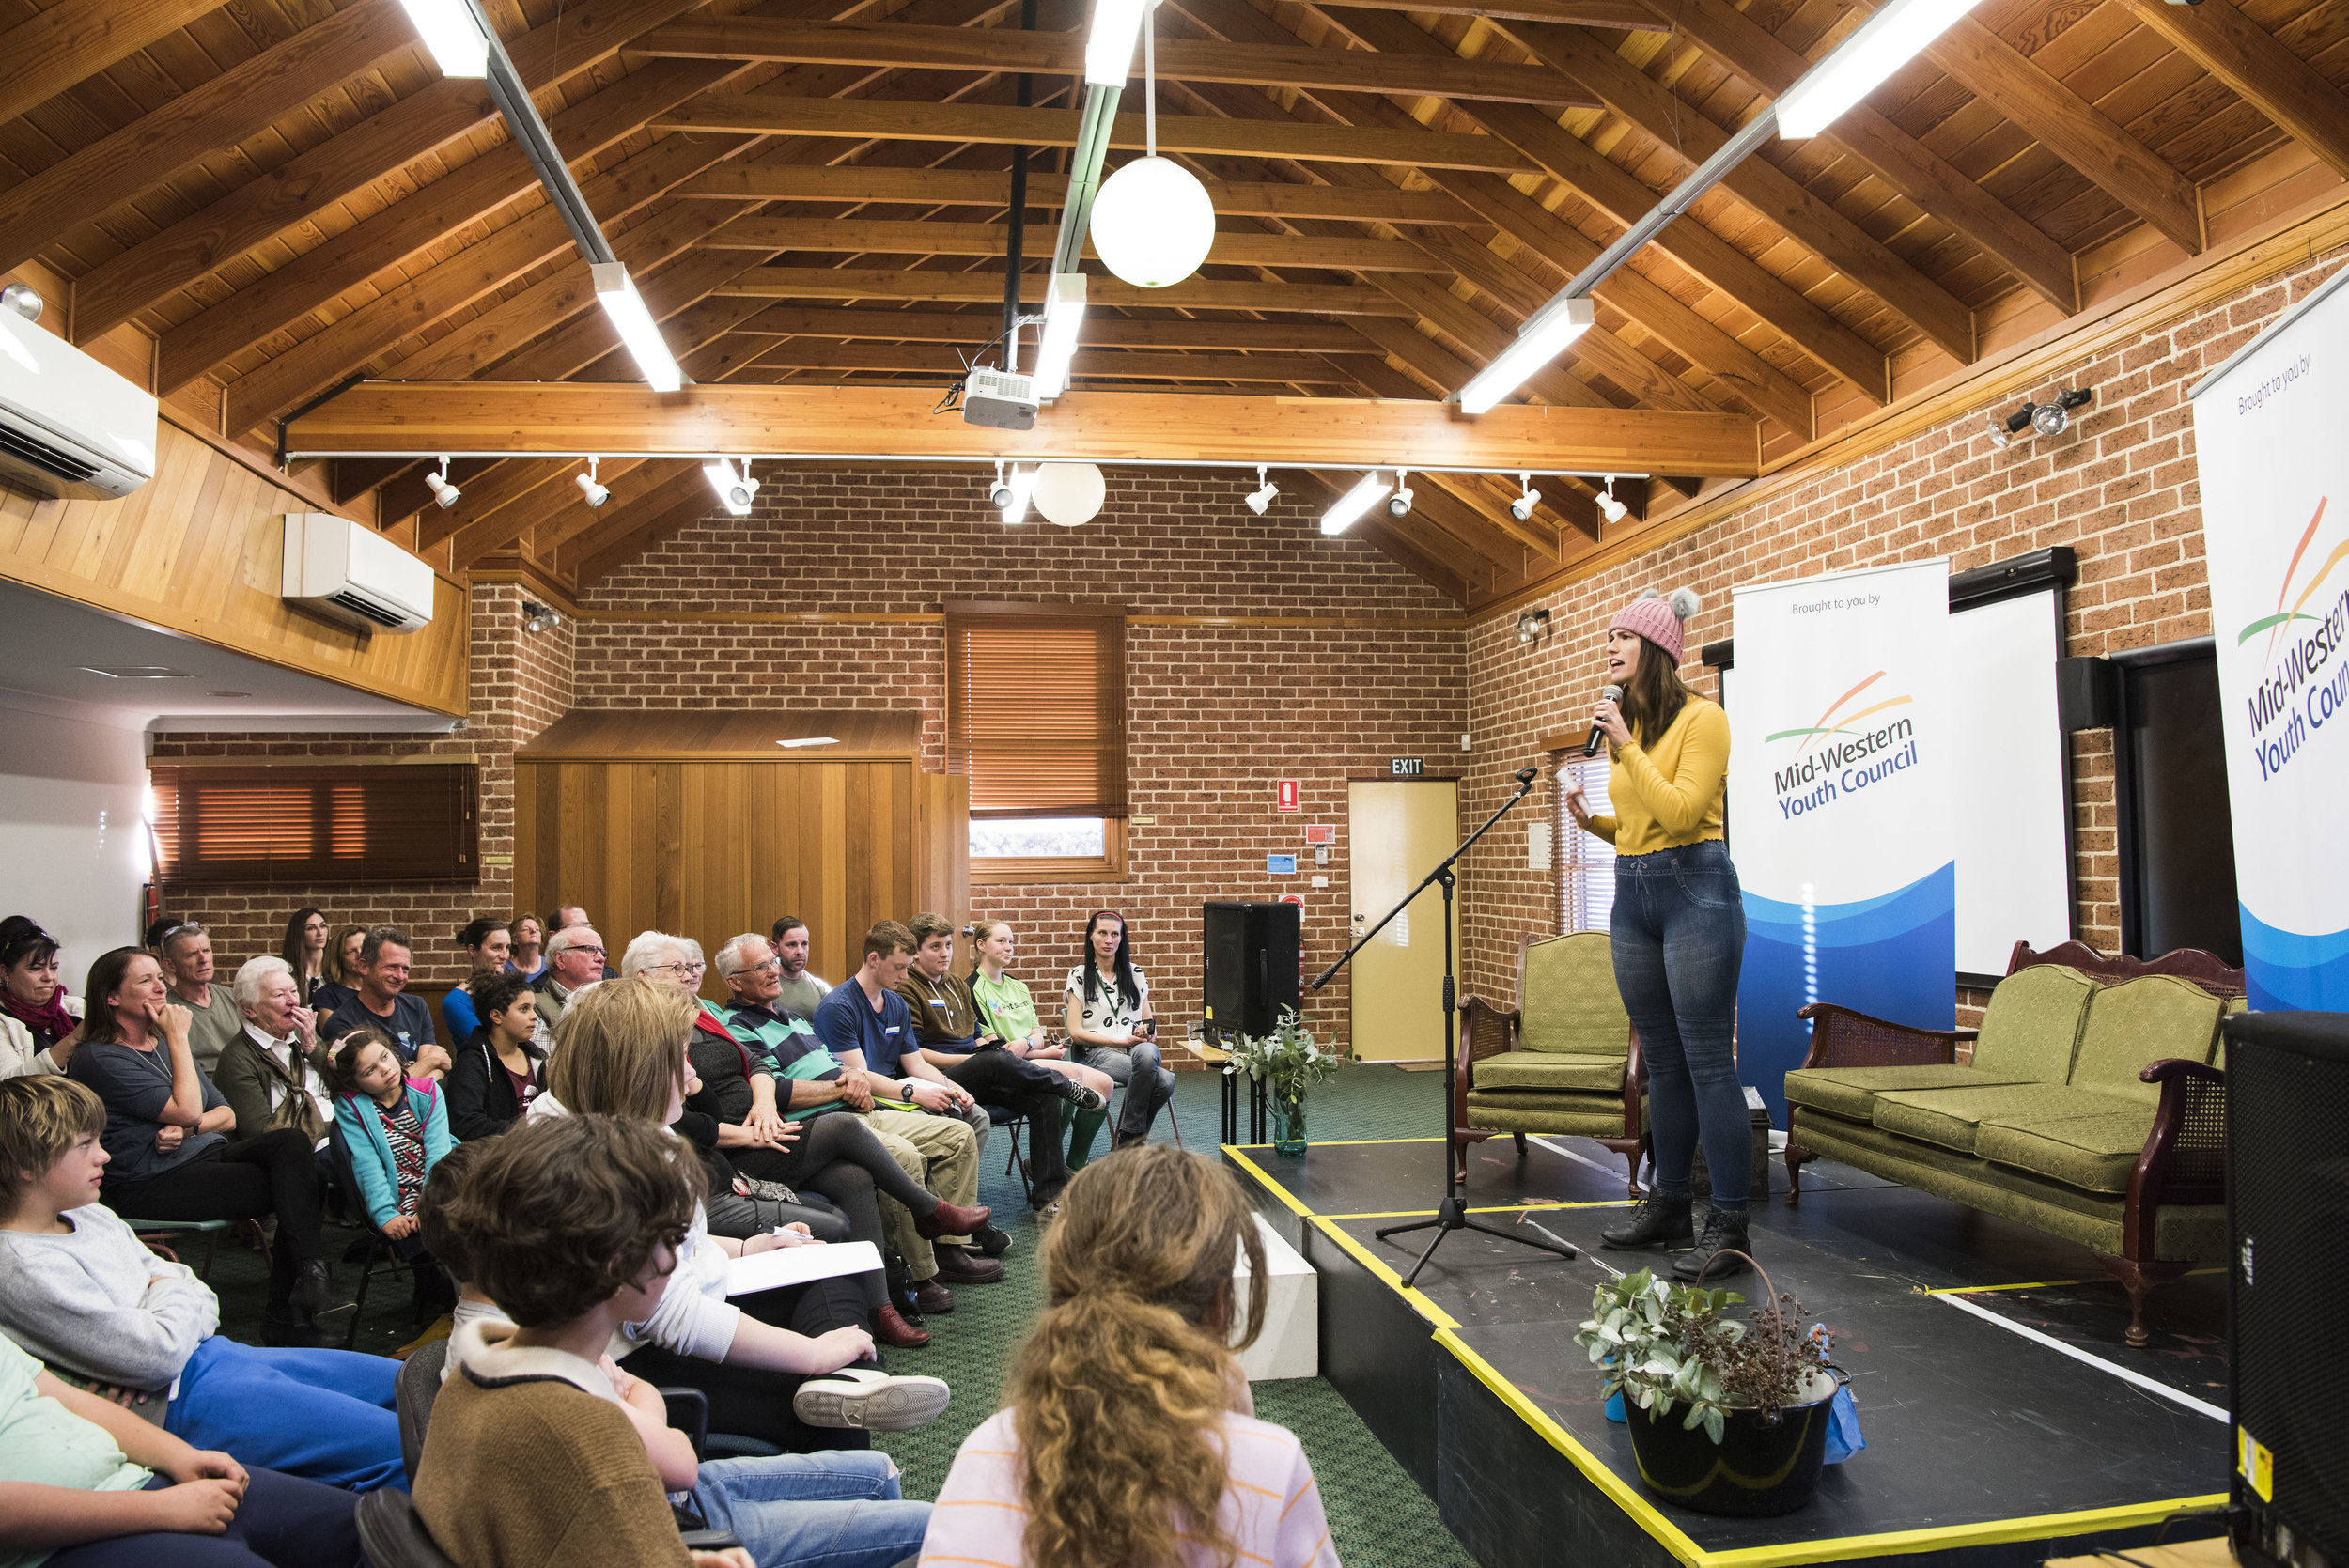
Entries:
{"x":1563,"y":1059}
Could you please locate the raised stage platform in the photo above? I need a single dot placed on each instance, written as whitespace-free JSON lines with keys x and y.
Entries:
{"x":2006,"y":1421}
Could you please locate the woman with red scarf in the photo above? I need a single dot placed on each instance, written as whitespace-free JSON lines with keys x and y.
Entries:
{"x":35,"y":1012}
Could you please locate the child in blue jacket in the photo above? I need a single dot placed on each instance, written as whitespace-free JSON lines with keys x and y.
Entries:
{"x":397,"y":1129}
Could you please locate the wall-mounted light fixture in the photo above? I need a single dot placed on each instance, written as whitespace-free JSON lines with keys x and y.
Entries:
{"x":2046,"y":419}
{"x":1531,"y":624}
{"x":542,"y":616}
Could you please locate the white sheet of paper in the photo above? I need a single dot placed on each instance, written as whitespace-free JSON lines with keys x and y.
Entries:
{"x":797,"y":1265}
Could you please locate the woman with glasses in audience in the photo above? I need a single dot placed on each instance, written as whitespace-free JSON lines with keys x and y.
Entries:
{"x":488,"y":944}
{"x":38,"y":1022}
{"x":305,"y":952}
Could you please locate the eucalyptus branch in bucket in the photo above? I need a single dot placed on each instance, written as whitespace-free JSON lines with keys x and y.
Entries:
{"x":1287,"y":1062}
{"x":1664,"y":1345}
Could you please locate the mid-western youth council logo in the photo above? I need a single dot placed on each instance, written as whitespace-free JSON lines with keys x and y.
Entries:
{"x":2304,"y":685}
{"x":1840,"y":768}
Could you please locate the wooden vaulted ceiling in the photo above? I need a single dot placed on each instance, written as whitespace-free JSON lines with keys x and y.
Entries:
{"x":280,"y":196}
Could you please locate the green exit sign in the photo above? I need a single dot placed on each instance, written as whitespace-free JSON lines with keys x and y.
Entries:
{"x":1407,"y":767}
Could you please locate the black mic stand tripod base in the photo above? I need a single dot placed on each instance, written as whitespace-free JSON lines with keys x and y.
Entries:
{"x":1452,"y":1213}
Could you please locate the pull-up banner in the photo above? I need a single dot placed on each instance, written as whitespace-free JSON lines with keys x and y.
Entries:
{"x":2275,"y":471}
{"x":1839,"y":777}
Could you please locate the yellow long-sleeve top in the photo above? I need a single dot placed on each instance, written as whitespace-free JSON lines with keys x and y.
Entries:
{"x":1669,"y":793}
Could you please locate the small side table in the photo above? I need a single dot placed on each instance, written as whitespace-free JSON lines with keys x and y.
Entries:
{"x":1215,"y":1058}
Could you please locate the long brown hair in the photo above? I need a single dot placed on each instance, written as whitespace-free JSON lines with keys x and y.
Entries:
{"x":620,"y":1050}
{"x":331,"y":961}
{"x":1655,"y":697}
{"x":1116,"y":1392}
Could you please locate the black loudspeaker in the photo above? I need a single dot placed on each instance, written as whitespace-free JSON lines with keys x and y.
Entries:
{"x":2088,"y":693}
{"x":1250,"y":965}
{"x":2288,"y":1292}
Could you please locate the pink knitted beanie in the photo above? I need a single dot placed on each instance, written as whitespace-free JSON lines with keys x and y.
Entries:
{"x":1661,"y":620}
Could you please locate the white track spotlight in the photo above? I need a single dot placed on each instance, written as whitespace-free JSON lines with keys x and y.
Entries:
{"x":1527,"y":498}
{"x":1608,"y":508}
{"x":452,"y":31}
{"x":1399,"y":504}
{"x":2053,"y":419}
{"x":590,"y":492}
{"x":998,"y":494}
{"x":443,"y":492}
{"x":735,"y":490}
{"x":1016,"y":495}
{"x":1349,"y":507}
{"x":1854,"y":67}
{"x":1261,"y":497}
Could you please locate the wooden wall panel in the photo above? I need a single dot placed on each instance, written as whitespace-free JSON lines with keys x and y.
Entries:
{"x":199,"y":550}
{"x":712,"y":849}
{"x":942,"y":827}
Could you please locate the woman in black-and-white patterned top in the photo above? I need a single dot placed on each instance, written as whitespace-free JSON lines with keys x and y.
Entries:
{"x":1110,"y":1026}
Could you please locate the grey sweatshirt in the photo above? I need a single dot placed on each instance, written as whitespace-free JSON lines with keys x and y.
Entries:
{"x":96,"y":1301}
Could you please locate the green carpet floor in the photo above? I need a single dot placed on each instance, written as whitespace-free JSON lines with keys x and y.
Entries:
{"x":1379,"y":1518}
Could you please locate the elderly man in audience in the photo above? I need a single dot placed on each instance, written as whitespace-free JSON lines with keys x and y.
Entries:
{"x":167,"y":1139}
{"x":382,"y":1004}
{"x":270,"y":1073}
{"x":568,"y":915}
{"x":214,"y":1018}
{"x":574,"y":962}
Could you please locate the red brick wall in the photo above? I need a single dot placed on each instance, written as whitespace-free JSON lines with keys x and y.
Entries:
{"x":1214,"y":714}
{"x":2119,"y":487}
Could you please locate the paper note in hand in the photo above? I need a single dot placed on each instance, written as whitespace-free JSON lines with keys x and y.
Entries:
{"x":797,"y":1265}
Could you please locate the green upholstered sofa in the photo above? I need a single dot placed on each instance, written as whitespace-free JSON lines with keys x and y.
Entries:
{"x":2091,"y":1108}
{"x":1563,"y":1059}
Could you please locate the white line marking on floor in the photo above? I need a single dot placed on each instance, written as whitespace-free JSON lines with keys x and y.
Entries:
{"x":1561,"y":1149}
{"x":2149,"y":1385}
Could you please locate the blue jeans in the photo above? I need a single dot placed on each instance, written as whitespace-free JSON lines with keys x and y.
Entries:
{"x":1148,"y":1085}
{"x":284,"y":1522}
{"x":1679,"y":938}
{"x":839,"y":1508}
{"x":326,"y":1415}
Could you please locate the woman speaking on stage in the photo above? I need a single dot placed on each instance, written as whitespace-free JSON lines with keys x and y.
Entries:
{"x":1679,"y":929}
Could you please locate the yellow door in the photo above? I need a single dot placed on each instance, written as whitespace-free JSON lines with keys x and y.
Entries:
{"x":1397,"y":832}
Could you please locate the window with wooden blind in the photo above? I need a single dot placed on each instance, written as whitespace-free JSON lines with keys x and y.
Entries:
{"x":1035,"y":718}
{"x":342,"y":823}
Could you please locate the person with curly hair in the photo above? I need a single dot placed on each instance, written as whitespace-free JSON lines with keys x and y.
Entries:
{"x":1129,"y":1439}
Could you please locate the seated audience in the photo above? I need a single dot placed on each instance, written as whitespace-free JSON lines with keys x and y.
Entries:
{"x":396,"y":1130}
{"x":569,"y":915}
{"x":342,"y":971}
{"x":622,"y":1053}
{"x":79,"y":1290}
{"x":488,"y":943}
{"x":213,"y":1016}
{"x":272,"y":1073}
{"x":305,"y":952}
{"x":528,"y":959}
{"x":574,"y":1225}
{"x":84,"y":1484}
{"x":1127,"y":1434}
{"x":1007,"y":1011}
{"x":574,"y":962}
{"x":382,"y":1004}
{"x":946,"y":1020}
{"x":798,"y":992}
{"x":500,"y":1067}
{"x":1110,"y":1026}
{"x":36,"y":1018}
{"x":167,"y":1139}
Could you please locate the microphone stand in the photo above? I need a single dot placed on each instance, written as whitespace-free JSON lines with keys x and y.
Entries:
{"x":1452,"y":1214}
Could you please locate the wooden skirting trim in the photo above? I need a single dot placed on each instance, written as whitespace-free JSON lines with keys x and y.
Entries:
{"x":531,"y":583}
{"x":1995,"y":379}
{"x":805,"y":617}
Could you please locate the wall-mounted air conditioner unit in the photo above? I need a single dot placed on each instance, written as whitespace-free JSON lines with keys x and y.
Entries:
{"x":70,"y":426}
{"x":349,"y":572}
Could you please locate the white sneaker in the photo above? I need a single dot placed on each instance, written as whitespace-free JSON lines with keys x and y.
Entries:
{"x":871,"y":1399}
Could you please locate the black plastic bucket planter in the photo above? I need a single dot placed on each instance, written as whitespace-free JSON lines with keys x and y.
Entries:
{"x":1763,"y":1463}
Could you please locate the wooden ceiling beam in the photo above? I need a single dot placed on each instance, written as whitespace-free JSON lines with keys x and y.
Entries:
{"x":1401,"y":540}
{"x":863,"y":183}
{"x":376,"y":149}
{"x":1101,"y":332}
{"x":655,"y":489}
{"x":227,"y":109}
{"x":882,"y":119}
{"x":629,"y":479}
{"x":1473,"y":528}
{"x":1484,"y":338}
{"x":980,"y":286}
{"x":353,"y":478}
{"x":2260,"y":70}
{"x":488,"y":496}
{"x":1631,"y":17}
{"x":1737,"y":41}
{"x":598,"y":555}
{"x":1683,"y":132}
{"x":405,"y":496}
{"x":1008,"y":49}
{"x":881,"y":236}
{"x":2074,"y":130}
{"x":810,"y":354}
{"x":381,"y":418}
{"x":545,"y":504}
{"x":70,"y":43}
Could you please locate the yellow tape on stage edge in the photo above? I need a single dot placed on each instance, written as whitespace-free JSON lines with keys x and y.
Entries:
{"x":1416,"y":1299}
{"x":1256,"y":1171}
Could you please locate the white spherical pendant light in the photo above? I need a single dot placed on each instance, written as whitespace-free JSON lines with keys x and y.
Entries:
{"x":1070,"y":494}
{"x":1153,"y":223}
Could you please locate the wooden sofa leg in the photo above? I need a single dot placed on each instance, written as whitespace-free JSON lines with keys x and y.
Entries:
{"x":2139,"y":1280}
{"x":1797,"y":1158}
{"x":1520,"y":1137}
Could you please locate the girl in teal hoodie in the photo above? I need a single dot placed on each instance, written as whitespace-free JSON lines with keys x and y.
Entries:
{"x":396,"y":1128}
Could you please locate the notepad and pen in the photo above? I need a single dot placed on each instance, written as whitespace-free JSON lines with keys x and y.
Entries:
{"x":797,"y":1265}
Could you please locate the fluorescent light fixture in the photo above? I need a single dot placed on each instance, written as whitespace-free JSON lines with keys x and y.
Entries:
{"x":808,"y":740}
{"x":1354,"y":503}
{"x":1551,"y":328}
{"x":1063,"y":312}
{"x":1022,"y":487}
{"x":1110,"y":41}
{"x":451,"y":29}
{"x":734,"y":489}
{"x":617,"y":294}
{"x":1856,"y":67}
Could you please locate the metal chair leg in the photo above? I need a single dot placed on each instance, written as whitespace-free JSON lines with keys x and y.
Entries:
{"x":367,"y":1277}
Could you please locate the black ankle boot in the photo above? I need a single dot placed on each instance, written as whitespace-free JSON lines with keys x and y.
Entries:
{"x":1662,"y":1219}
{"x":1725,"y":1231}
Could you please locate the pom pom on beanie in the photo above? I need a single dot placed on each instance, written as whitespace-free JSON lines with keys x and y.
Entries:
{"x":1662,"y":621}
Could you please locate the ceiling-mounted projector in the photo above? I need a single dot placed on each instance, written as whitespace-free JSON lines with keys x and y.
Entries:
{"x":999,"y":400}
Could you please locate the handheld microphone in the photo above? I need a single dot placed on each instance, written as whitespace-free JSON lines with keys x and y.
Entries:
{"x":1590,"y":748}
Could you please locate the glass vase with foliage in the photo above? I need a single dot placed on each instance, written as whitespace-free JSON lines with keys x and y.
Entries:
{"x":1286,"y":1062}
